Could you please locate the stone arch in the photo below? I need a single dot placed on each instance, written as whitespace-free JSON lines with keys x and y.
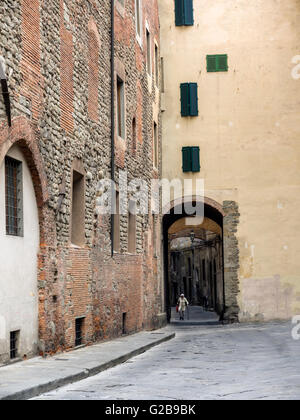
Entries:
{"x":193,"y":198}
{"x":227,"y":216}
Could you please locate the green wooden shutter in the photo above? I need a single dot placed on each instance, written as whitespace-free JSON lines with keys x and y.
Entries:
{"x":195,"y":153}
{"x":211,"y":63}
{"x":186,"y":159}
{"x":179,"y":12}
{"x":222,"y":62}
{"x":193,"y":88}
{"x":188,"y":12}
{"x":185,"y":108}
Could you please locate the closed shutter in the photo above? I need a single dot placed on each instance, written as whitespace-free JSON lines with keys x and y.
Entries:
{"x":211,"y":63}
{"x":188,"y":13}
{"x":222,"y":62}
{"x":195,"y":153}
{"x":179,"y":12}
{"x":193,"y":99}
{"x":186,"y":159}
{"x":184,"y":91}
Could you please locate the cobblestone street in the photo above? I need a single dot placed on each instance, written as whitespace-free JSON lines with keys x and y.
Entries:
{"x":204,"y":361}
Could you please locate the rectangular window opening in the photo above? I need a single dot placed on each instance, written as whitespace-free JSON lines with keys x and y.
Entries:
{"x":124,"y":329}
{"x":189,"y":99}
{"x":156,"y":66}
{"x":14,"y":343}
{"x":116,"y":217}
{"x":148,"y":43}
{"x":155,"y":146}
{"x":78,"y":209}
{"x":79,"y":323}
{"x":13,"y":197}
{"x":120,"y":108}
{"x":132,"y":228}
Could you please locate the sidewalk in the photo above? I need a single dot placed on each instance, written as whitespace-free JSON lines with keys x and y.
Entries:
{"x":31,"y":378}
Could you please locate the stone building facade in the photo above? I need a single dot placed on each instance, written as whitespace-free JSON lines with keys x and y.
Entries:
{"x":56,"y":128}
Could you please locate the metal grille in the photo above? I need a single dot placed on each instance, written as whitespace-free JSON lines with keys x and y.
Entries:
{"x":13,"y":196}
{"x":78,"y":331}
{"x":13,"y":344}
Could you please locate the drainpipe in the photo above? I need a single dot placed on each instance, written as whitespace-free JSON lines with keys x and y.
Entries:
{"x":112,"y":70}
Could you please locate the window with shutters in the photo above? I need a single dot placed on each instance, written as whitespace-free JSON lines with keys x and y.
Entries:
{"x":189,"y":99}
{"x":191,"y":159}
{"x":184,"y":13}
{"x":217,"y":63}
{"x":13,"y":197}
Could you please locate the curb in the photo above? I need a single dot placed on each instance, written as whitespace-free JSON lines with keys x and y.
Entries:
{"x":35,"y":391}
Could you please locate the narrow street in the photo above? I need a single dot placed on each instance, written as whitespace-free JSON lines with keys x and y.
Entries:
{"x":204,"y":361}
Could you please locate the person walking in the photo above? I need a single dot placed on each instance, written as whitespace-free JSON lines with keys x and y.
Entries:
{"x":182,"y":305}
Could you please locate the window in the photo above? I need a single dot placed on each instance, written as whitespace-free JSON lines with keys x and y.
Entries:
{"x":132,"y":228}
{"x":189,"y":99}
{"x":184,"y":13}
{"x":217,"y":63}
{"x":120,"y":108}
{"x":14,"y":341}
{"x":124,"y":329}
{"x":116,"y":217}
{"x":78,"y":209}
{"x":13,"y":197}
{"x":148,"y":41}
{"x":138,"y":17}
{"x":134,"y":136}
{"x":191,"y":159}
{"x":156,"y":66}
{"x":79,"y":331}
{"x":204,"y":272}
{"x":155,"y":147}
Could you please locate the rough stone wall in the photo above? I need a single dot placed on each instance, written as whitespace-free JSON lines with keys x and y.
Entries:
{"x":231,"y":260}
{"x":57,"y":52}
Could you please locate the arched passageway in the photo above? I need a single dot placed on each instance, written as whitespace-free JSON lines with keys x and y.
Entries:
{"x":198,"y":257}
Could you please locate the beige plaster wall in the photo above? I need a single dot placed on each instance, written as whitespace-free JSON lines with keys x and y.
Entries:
{"x":248,"y":130}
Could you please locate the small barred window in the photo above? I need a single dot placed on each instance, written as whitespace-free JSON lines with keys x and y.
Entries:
{"x":13,"y":197}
